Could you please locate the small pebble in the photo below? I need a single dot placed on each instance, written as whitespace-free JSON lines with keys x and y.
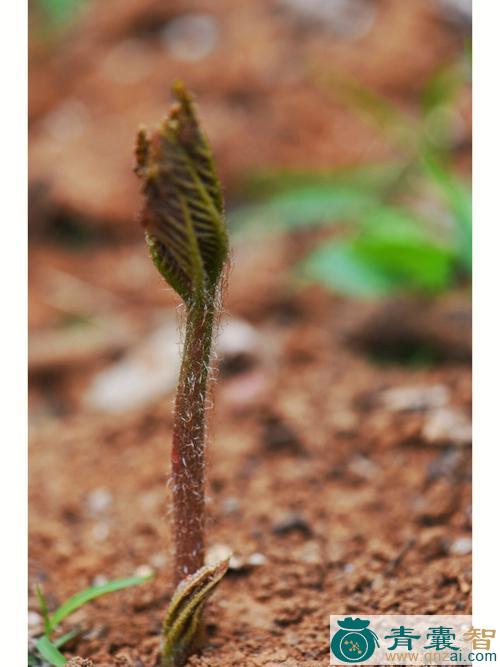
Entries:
{"x":144,"y":571}
{"x":311,"y":553}
{"x":237,"y":562}
{"x":362,"y":467}
{"x":99,"y":500}
{"x":67,"y":122}
{"x":127,"y":63}
{"x":216,"y":553}
{"x":230,"y":505}
{"x":350,"y":19}
{"x":34,"y":619}
{"x":238,"y":338}
{"x":96,"y":632}
{"x":158,"y":560}
{"x":149,"y":500}
{"x":147,"y":371}
{"x":446,"y":464}
{"x":461,"y":546}
{"x":220,"y":552}
{"x":447,"y":426}
{"x":292,"y":522}
{"x":191,"y":37}
{"x":256,"y":559}
{"x":401,"y":399}
{"x":100,"y":580}
{"x":100,"y":531}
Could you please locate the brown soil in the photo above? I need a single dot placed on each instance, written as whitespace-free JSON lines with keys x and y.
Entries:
{"x":352,"y":507}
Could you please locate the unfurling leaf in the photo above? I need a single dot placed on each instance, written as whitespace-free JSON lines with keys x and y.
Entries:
{"x":182,"y":627}
{"x":183,"y":210}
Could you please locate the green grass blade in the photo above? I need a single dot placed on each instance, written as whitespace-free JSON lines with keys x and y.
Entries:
{"x":44,"y":610}
{"x":50,"y":652}
{"x":81,"y":598}
{"x":64,"y":639}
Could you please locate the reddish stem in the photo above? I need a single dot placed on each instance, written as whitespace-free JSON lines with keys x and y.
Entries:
{"x":188,"y":446}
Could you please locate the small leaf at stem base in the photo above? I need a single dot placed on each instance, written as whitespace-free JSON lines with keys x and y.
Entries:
{"x":183,"y":630}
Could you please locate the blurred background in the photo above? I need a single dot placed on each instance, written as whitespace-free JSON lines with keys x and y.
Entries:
{"x":342,"y":429}
{"x":341,"y":129}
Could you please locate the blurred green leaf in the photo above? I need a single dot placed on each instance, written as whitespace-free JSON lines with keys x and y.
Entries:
{"x":339,"y":266}
{"x":468,"y":54}
{"x":392,"y":251}
{"x":373,"y":178}
{"x":50,"y":652}
{"x":60,"y":11}
{"x":366,"y":102}
{"x":458,"y":198}
{"x":305,"y":206}
{"x":395,"y":240}
{"x":442,"y":87}
{"x":438,"y":104}
{"x":398,"y":127}
{"x":81,"y":598}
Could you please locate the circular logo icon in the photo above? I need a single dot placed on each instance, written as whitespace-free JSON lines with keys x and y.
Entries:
{"x":354,"y":642}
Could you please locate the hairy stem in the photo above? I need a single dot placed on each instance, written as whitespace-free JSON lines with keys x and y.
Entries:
{"x":188,"y":447}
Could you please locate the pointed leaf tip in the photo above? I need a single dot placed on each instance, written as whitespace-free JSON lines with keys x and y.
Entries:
{"x":141,"y":150}
{"x":183,"y":206}
{"x":180,"y":91}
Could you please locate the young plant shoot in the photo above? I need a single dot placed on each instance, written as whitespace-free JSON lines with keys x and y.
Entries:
{"x":188,"y":243}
